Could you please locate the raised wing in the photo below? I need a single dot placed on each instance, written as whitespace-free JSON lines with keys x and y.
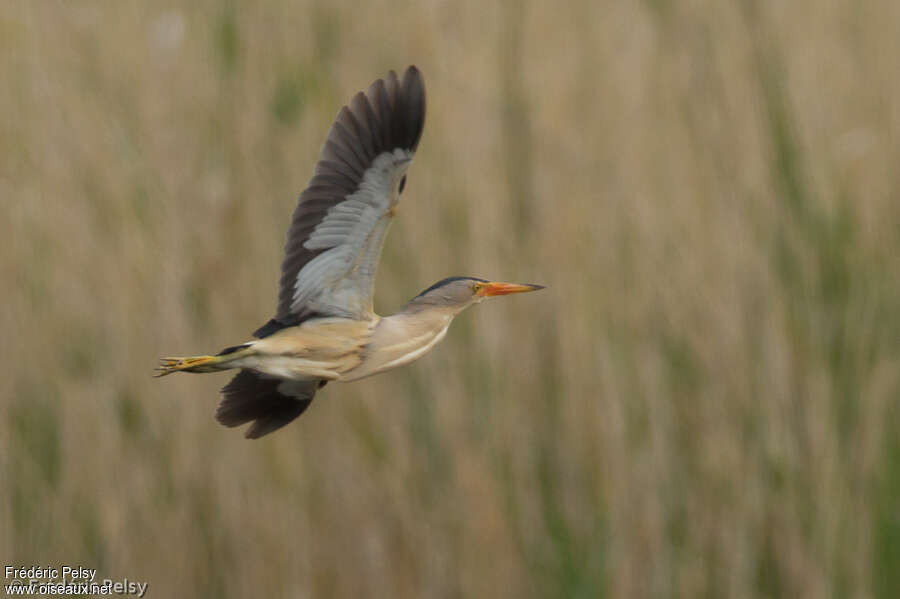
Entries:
{"x":334,"y":242}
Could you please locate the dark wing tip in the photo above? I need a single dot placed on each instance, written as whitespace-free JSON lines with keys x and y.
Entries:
{"x":412,"y":109}
{"x":413,"y":71}
{"x":396,"y":110}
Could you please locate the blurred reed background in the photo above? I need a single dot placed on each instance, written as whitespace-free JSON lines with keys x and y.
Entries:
{"x":703,"y":403}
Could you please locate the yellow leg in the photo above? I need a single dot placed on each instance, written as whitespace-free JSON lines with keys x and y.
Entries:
{"x":191,"y":364}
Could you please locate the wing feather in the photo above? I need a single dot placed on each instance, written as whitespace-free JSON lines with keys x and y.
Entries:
{"x":268,"y":402}
{"x":338,"y":227}
{"x":348,"y":139}
{"x":335,"y":152}
{"x":361,"y":111}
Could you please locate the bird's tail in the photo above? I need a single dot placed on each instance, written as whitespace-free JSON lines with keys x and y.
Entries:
{"x":202,"y":363}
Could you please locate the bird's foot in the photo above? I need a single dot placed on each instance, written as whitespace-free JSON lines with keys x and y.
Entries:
{"x":191,"y":364}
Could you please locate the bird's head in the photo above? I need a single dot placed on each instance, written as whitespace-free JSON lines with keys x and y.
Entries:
{"x":458,"y":293}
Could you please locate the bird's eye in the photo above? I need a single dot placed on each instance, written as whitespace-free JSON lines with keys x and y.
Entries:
{"x":476,"y":287}
{"x":402,"y":185}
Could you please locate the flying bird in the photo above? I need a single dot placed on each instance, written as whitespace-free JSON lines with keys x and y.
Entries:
{"x":325,"y":328}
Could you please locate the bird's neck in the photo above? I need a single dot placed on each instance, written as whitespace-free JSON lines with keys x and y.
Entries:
{"x":401,"y":338}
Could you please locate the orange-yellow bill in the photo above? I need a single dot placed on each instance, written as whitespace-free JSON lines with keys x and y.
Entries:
{"x":496,"y":288}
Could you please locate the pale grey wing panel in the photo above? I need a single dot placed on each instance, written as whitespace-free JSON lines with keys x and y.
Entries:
{"x":340,"y":280}
{"x":341,"y":218}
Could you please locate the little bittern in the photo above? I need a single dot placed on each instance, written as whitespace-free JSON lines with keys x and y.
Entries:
{"x":325,"y":328}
